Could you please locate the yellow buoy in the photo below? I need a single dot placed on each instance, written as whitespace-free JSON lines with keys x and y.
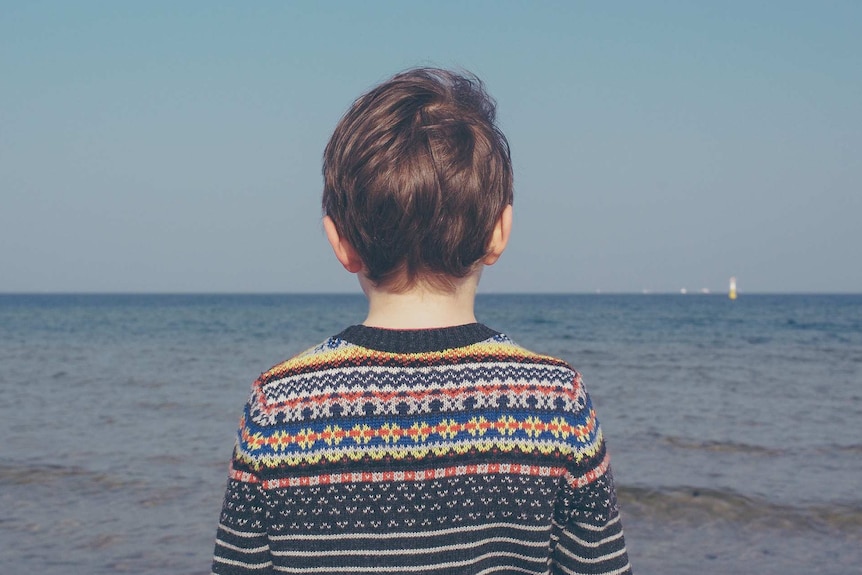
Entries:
{"x":732,"y":293}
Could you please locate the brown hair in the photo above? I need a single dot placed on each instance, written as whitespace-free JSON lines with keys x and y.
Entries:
{"x":416,"y":175}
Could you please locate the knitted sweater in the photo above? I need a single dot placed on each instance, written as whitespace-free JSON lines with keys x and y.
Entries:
{"x":440,"y":451}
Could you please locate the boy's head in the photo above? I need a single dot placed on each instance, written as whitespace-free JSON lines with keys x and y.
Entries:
{"x":416,"y":176}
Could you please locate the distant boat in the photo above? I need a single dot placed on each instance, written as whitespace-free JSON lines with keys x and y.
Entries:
{"x":732,"y":292}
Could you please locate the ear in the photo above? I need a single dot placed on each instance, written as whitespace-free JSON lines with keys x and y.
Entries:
{"x":499,"y":237}
{"x":344,"y":252}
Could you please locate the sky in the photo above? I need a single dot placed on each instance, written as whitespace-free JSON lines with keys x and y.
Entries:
{"x":176,"y":146}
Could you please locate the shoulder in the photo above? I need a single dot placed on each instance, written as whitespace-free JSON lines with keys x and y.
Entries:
{"x":504,"y":349}
{"x":506,"y":343}
{"x":532,"y":374}
{"x":323,"y":355}
{"x":288,"y":389}
{"x":300,"y":372}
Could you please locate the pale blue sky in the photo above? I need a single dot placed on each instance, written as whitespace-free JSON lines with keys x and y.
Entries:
{"x":175,"y":146}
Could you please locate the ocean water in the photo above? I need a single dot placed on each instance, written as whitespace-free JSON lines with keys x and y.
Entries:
{"x":735,"y":428}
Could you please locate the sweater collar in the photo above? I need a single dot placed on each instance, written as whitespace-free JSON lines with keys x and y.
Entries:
{"x":416,"y":340}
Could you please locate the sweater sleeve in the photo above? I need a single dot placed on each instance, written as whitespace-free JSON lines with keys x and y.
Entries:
{"x":242,"y":546}
{"x":587,"y":535}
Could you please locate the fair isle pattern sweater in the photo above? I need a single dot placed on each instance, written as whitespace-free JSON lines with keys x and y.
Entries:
{"x":428,"y":452}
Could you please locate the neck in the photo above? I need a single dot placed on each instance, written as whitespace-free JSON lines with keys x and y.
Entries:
{"x":421,"y":307}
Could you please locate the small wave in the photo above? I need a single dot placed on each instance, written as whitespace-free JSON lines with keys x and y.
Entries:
{"x":700,"y":506}
{"x":158,"y":406}
{"x":724,"y":446}
{"x":72,"y":477}
{"x":745,"y":448}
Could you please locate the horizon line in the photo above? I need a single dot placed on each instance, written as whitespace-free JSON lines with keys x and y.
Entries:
{"x":359,"y":293}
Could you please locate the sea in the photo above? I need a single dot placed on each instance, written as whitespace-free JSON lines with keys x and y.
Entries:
{"x":734,"y":427}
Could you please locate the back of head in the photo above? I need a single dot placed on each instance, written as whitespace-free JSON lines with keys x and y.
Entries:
{"x":416,"y":175}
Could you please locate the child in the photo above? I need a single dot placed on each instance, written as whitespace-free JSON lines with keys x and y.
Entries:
{"x":420,"y":441}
